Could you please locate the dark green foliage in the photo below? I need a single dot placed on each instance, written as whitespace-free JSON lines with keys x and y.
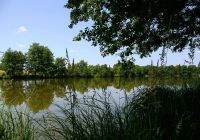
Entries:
{"x":13,"y":62}
{"x":137,"y":26}
{"x":124,"y":69}
{"x":103,"y":71}
{"x":59,"y":67}
{"x":80,"y":69}
{"x":153,"y":71}
{"x":40,"y":60}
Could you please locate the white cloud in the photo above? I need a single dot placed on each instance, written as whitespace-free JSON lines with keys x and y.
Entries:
{"x":198,"y":51}
{"x":22,"y":29}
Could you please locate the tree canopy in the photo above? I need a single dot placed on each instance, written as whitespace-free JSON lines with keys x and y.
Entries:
{"x":13,"y":62}
{"x":60,"y":66}
{"x":137,"y":26}
{"x":40,"y":59}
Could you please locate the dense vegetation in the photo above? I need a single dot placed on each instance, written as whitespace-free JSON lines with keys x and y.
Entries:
{"x":40,"y":62}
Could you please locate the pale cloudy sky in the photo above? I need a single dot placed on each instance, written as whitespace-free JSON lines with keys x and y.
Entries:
{"x":46,"y":22}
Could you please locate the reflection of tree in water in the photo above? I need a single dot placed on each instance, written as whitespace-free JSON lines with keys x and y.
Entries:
{"x":59,"y":87}
{"x":13,"y":93}
{"x":39,"y":94}
{"x":127,"y":84}
{"x":40,"y":97}
{"x":82,"y":85}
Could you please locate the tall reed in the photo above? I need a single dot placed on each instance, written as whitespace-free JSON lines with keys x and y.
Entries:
{"x":16,"y":125}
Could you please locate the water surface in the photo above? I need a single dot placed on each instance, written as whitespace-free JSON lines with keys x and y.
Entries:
{"x":41,"y":95}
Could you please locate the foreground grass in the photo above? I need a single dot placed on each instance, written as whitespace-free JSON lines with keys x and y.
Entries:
{"x":159,"y":113}
{"x":16,"y":126}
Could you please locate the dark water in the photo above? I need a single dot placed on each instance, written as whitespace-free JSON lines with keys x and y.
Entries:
{"x":41,"y":95}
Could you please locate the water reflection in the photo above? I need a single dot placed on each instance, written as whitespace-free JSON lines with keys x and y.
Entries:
{"x":13,"y":94}
{"x":38,"y":95}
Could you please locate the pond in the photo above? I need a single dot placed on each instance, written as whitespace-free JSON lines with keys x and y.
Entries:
{"x":42,"y":95}
{"x":101,"y":108}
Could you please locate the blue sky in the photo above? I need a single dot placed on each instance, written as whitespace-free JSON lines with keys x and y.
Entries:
{"x":46,"y":22}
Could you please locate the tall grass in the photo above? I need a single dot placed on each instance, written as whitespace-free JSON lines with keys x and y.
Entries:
{"x":158,"y":113}
{"x":16,"y":125}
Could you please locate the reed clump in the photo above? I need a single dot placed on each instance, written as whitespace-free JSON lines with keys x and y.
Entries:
{"x":16,"y":125}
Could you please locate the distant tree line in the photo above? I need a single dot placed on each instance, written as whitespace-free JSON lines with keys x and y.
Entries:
{"x":39,"y":62}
